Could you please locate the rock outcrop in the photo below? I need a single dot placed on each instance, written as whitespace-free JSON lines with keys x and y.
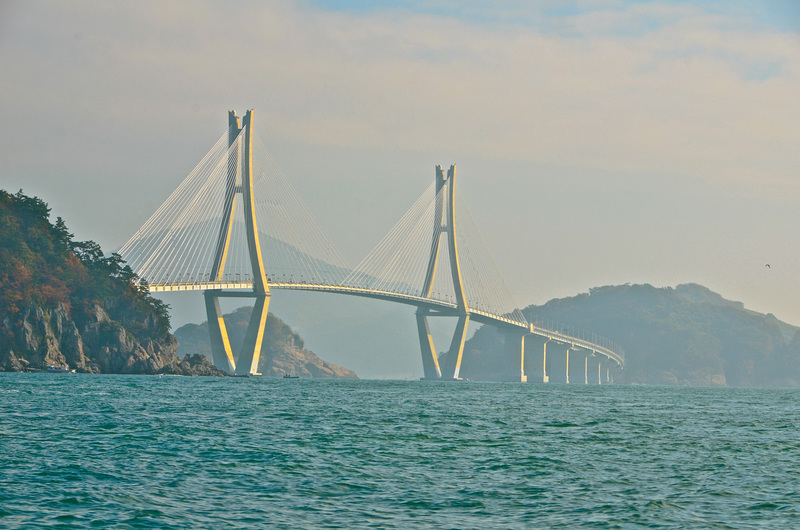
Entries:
{"x":41,"y":338}
{"x":193,"y":365}
{"x":38,"y":338}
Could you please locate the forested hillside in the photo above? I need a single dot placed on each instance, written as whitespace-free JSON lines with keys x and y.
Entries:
{"x":64,"y":303}
{"x":687,"y":335}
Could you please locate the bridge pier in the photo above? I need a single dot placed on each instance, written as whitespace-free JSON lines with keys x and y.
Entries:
{"x":586,"y":370}
{"x":430,"y":362}
{"x":593,"y":359}
{"x":444,"y":223}
{"x":247,"y":363}
{"x":545,"y":377}
{"x":218,"y":335}
{"x":514,"y":343}
{"x":452,"y":360}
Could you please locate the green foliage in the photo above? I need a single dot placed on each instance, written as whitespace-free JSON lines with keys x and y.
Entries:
{"x":687,"y":335}
{"x":684,"y":335}
{"x":41,"y":266}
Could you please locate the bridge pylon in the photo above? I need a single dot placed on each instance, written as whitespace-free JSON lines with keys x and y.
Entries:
{"x":444,"y":224}
{"x":238,"y":183}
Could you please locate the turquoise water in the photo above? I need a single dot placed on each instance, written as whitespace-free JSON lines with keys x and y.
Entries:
{"x":175,"y":452}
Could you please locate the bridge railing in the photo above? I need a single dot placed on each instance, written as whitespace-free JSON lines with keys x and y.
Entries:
{"x":578,"y":333}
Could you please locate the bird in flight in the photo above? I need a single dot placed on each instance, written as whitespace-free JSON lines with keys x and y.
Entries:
{"x":767,"y":266}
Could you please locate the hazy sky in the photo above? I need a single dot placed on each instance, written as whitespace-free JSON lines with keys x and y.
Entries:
{"x":599,"y":143}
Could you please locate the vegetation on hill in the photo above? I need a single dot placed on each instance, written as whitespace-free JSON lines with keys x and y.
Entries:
{"x":41,"y":266}
{"x":63,"y":302}
{"x":282,"y":352}
{"x":687,"y":335}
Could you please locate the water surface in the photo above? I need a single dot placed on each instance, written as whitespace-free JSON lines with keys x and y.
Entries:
{"x":176,"y":452}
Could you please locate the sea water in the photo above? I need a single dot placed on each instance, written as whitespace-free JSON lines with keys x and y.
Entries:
{"x":179,"y":452}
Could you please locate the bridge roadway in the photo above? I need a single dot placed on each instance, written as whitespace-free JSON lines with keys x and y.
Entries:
{"x":442,"y":308}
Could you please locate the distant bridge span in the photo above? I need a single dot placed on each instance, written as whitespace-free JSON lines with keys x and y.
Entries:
{"x":207,"y":237}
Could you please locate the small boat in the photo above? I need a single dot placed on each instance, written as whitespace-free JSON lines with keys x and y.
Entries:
{"x":287,"y":376}
{"x":59,"y":369}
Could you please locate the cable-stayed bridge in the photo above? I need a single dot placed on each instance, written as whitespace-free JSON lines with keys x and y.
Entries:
{"x":235,"y":227}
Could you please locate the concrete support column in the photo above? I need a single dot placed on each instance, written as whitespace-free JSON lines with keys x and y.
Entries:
{"x":229,"y":206}
{"x":218,"y":335}
{"x":247,"y":363}
{"x":515,"y":346}
{"x":452,"y":362}
{"x":545,"y":377}
{"x":568,"y":365}
{"x":260,"y":285}
{"x":586,"y":370}
{"x":599,"y":364}
{"x":430,"y":363}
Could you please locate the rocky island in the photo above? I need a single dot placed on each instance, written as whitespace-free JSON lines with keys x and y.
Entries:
{"x":283,"y":352}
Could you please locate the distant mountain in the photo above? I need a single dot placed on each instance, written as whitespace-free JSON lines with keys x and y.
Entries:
{"x":282,"y":353}
{"x":687,"y":335}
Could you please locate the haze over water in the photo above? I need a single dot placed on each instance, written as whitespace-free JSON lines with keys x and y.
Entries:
{"x":172,"y":452}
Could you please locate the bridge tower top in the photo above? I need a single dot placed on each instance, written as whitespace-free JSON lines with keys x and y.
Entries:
{"x":239,"y":181}
{"x":455,"y":265}
{"x":445,"y":226}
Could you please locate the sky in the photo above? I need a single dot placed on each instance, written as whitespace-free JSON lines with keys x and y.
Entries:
{"x":597,"y":142}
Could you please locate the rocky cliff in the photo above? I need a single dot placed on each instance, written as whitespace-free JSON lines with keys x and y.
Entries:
{"x":50,"y":337}
{"x":64,"y":303}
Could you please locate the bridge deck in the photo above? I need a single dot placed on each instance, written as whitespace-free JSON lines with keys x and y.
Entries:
{"x":439,"y":307}
{"x":443,"y":308}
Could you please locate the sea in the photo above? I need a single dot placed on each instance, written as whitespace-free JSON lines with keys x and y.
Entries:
{"x":114,"y":451}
